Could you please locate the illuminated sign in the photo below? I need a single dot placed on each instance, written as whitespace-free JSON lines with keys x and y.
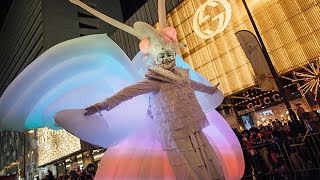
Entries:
{"x":260,"y":102}
{"x":223,"y":18}
{"x":53,"y":145}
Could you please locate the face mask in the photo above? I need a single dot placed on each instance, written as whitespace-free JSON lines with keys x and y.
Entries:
{"x":166,"y":59}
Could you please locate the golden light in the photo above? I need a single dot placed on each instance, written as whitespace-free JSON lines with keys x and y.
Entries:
{"x":53,"y":145}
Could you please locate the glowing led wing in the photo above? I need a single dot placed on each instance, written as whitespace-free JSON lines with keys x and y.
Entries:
{"x":73,"y":74}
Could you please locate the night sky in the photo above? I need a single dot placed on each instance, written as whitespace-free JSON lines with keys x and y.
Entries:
{"x":128,"y":8}
{"x":4,"y":7}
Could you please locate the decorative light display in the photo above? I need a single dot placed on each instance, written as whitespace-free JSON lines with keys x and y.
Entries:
{"x":310,"y":78}
{"x":53,"y":145}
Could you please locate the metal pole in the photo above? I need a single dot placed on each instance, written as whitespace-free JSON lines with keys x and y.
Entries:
{"x":271,"y":67}
{"x":24,"y":155}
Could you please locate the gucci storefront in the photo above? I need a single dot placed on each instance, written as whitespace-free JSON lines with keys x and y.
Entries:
{"x":254,"y":107}
{"x":289,"y":29}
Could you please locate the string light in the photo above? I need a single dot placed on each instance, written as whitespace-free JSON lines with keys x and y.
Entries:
{"x":53,"y":145}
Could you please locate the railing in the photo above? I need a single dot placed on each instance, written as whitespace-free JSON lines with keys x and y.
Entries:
{"x":265,"y":161}
{"x":294,"y":158}
{"x":304,"y":154}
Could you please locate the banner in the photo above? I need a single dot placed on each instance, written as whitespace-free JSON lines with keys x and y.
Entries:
{"x":252,"y":49}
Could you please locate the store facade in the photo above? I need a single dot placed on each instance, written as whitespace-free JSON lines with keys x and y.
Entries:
{"x":290,"y":31}
{"x":62,"y":153}
{"x":11,"y":153}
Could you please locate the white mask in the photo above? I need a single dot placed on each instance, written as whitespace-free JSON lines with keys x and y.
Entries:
{"x":166,"y":59}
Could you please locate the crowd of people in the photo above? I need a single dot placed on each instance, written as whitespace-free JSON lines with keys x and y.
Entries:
{"x":77,"y":174}
{"x":268,"y":149}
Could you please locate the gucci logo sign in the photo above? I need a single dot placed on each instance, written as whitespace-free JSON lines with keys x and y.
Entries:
{"x":222,"y":18}
{"x":265,"y":101}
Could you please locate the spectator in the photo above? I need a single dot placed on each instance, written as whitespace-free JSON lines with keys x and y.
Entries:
{"x":50,"y":175}
{"x":264,"y":151}
{"x":249,"y":142}
{"x":246,"y":155}
{"x":275,"y":132}
{"x":300,"y":111}
{"x":314,"y":122}
{"x":60,"y":177}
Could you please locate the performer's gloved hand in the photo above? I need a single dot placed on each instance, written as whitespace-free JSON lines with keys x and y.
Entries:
{"x":96,"y":108}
